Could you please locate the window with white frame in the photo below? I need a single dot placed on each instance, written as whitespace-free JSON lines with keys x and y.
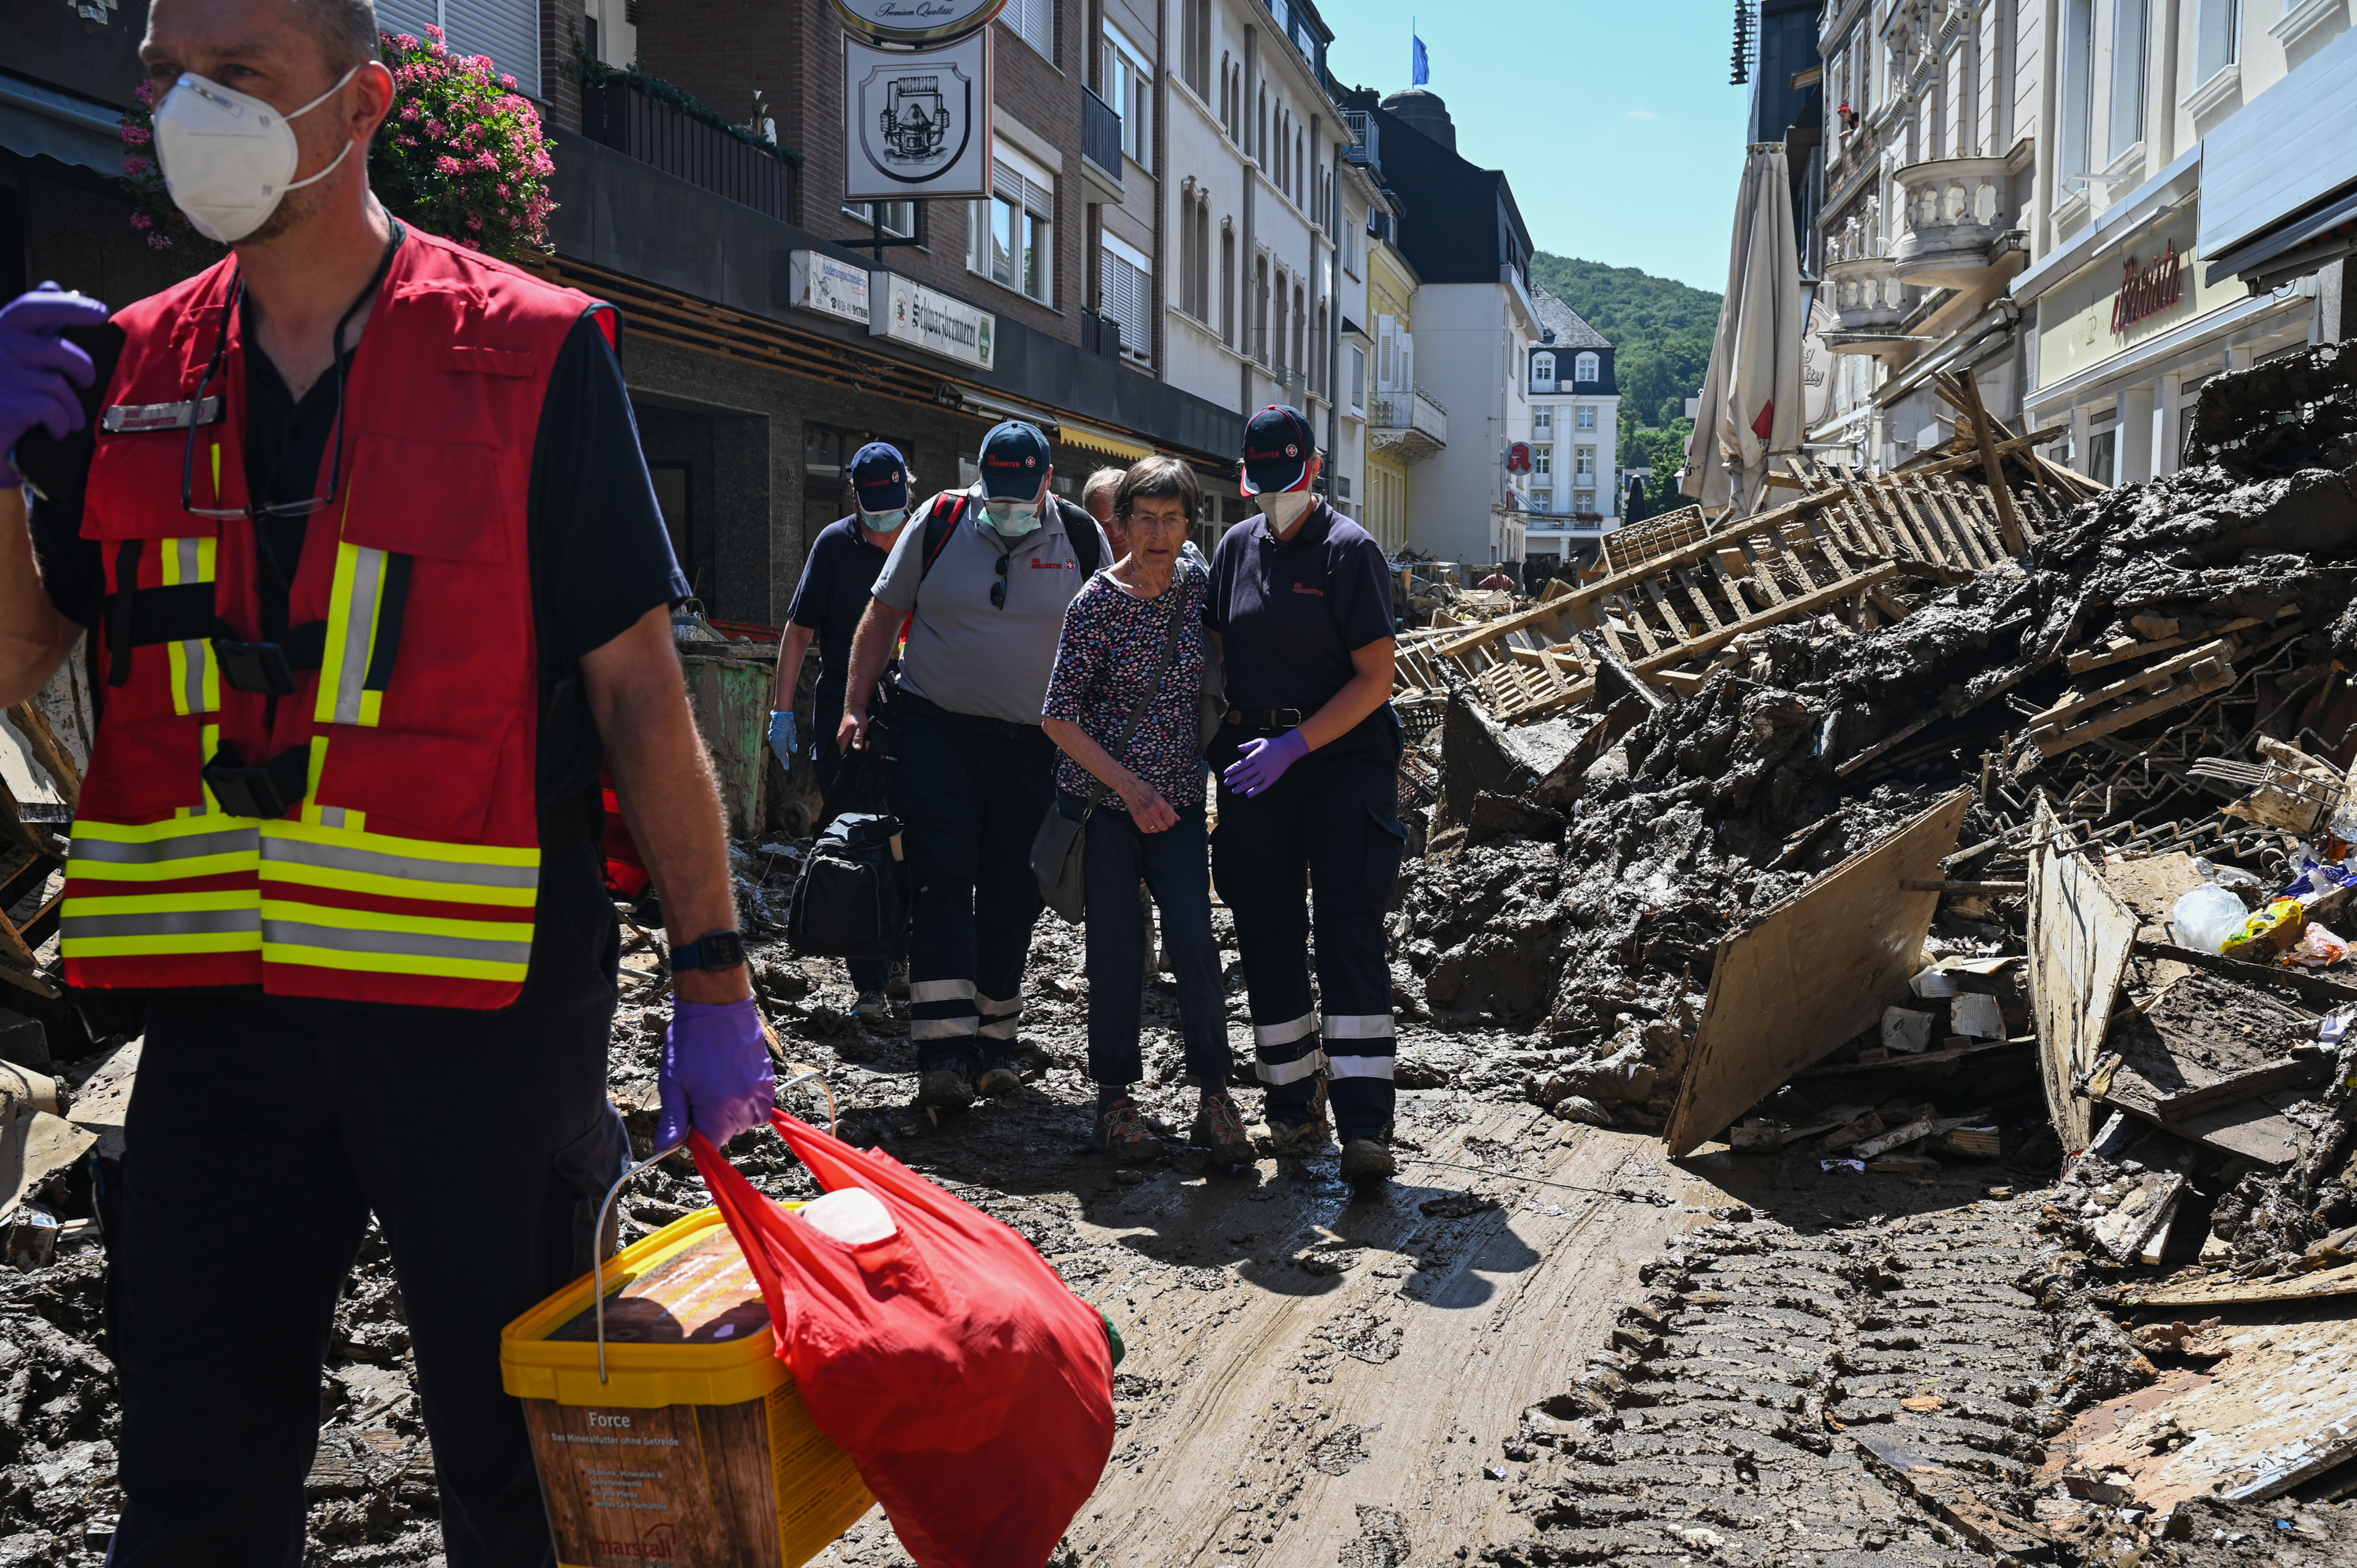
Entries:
{"x":1357,"y":380}
{"x":2218,"y":36}
{"x":1543,"y":372}
{"x":1129,"y":88}
{"x":1011,"y":235}
{"x":1543,"y":420}
{"x":1542,"y":501}
{"x":1583,"y":465}
{"x":899,"y":217}
{"x":1125,"y":283}
{"x":1583,"y":500}
{"x":1585,"y":368}
{"x":2129,"y":22}
{"x":1033,"y":21}
{"x":1586,"y":418}
{"x":1541,"y":459}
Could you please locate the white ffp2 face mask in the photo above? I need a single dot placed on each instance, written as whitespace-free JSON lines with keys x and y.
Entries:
{"x":229,"y":158}
{"x":1284,"y":507}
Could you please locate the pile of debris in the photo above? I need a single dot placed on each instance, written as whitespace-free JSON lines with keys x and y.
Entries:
{"x":1843,"y":838}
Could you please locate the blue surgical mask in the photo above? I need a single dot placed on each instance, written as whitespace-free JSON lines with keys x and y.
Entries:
{"x":884,"y":521}
{"x":1012,"y":519}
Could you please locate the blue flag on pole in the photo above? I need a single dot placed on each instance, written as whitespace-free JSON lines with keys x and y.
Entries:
{"x":1420,"y":70}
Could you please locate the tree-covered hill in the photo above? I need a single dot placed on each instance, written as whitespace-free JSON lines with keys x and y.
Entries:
{"x":1661,"y":329}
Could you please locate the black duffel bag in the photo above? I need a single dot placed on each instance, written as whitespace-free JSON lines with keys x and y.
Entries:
{"x":852,"y":898}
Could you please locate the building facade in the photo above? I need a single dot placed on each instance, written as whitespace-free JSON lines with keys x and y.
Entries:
{"x":1574,"y":439}
{"x":1460,"y":230}
{"x":1403,"y":429}
{"x":2195,"y":245}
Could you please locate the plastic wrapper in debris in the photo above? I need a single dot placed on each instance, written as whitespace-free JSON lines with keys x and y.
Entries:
{"x":2272,"y":929}
{"x":2207,"y":917}
{"x":2317,"y":947}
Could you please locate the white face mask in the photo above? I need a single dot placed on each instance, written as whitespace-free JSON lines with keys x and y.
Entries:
{"x":1013,"y":519}
{"x":1284,"y":507}
{"x":884,"y":521}
{"x":228,"y":157}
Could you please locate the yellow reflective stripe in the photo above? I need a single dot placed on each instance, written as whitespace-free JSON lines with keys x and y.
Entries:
{"x":142,"y":947}
{"x":379,"y":920}
{"x":216,"y":473}
{"x":160,"y":903}
{"x":416,"y":849}
{"x":397,"y":887}
{"x":352,"y":606}
{"x":389,"y":963}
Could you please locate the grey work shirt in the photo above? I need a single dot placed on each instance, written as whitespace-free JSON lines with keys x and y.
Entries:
{"x":964,"y":653}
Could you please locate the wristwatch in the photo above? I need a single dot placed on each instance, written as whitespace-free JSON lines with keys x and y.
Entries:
{"x":713,"y":949}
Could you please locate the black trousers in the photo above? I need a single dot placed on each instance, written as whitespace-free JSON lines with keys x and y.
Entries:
{"x":262,"y":1134}
{"x":1320,"y":850}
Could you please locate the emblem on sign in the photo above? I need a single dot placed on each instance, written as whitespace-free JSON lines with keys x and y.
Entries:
{"x":917,"y":124}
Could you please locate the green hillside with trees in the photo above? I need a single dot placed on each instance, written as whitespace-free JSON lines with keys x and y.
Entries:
{"x":1660,"y":328}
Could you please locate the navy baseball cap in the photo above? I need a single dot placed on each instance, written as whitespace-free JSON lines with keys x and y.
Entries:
{"x":1014,"y":460}
{"x":881,"y":477}
{"x":1278,"y":450}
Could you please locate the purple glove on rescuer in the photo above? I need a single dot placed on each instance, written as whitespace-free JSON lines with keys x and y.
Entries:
{"x":1264,"y":762}
{"x":40,"y":369}
{"x":715,"y":1074}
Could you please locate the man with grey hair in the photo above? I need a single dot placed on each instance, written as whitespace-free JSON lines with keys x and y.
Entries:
{"x":1096,"y":498}
{"x":338,"y":843}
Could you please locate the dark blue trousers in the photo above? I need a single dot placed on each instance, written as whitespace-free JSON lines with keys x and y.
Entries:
{"x":971,"y":800}
{"x":826,"y":761}
{"x":1175,"y":866}
{"x":1319,"y":852}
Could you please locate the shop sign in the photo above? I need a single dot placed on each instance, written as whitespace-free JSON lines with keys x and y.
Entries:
{"x":916,"y":124}
{"x":908,"y":312}
{"x":816,"y":281}
{"x":918,"y":21}
{"x":2149,"y":291}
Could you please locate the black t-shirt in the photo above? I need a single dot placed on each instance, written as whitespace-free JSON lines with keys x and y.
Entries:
{"x":1290,"y":613}
{"x":838,"y":584}
{"x":601,"y":557}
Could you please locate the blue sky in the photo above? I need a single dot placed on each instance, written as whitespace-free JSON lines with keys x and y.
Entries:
{"x":1614,"y":120}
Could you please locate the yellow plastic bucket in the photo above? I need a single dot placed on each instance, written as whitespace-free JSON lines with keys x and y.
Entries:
{"x":696,"y":1448}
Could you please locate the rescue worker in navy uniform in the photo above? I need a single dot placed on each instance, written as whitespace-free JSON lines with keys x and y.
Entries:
{"x":844,"y":561}
{"x":373,"y":574}
{"x":1308,"y":833}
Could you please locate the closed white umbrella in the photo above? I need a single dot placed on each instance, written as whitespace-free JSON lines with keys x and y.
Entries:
{"x":1750,"y":413}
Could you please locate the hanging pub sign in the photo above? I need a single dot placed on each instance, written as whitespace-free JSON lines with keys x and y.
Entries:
{"x":2149,"y":290}
{"x":917,"y":21}
{"x":919,"y":123}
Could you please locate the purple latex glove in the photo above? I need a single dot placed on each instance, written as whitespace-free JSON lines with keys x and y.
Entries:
{"x":1264,"y":762}
{"x":40,"y":369}
{"x":715,"y":1072}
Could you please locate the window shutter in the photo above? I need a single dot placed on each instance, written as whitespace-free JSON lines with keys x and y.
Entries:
{"x":507,"y":30}
{"x":411,"y":16}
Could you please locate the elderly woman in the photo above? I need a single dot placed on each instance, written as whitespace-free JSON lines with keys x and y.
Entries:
{"x":1133,"y":643}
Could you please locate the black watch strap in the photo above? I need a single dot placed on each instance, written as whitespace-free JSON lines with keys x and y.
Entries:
{"x":713,"y":949}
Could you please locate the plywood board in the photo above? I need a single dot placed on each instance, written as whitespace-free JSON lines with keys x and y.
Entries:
{"x":2338,"y":1281}
{"x":2080,"y":938}
{"x":1811,"y":973}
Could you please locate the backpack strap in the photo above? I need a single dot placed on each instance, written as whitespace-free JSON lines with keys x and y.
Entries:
{"x":1084,"y":541}
{"x":940,"y":523}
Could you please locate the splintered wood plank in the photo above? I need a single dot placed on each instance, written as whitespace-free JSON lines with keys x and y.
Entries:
{"x":1829,"y":544}
{"x":1934,"y":550}
{"x":1960,"y":529}
{"x":1635,"y":618}
{"x":1671,"y":617}
{"x":1806,"y":604}
{"x":2209,"y":675}
{"x":1701,"y":601}
{"x":2080,"y":937}
{"x":1728,"y":587}
{"x":1763,"y":576}
{"x":1811,"y":973}
{"x":2074,"y":702}
{"x":2338,"y":1281}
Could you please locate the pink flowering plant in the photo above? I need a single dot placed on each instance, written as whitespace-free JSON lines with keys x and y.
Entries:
{"x":462,"y":154}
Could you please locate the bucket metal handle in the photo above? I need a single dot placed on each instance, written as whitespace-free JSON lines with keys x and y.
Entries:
{"x":802,"y":1074}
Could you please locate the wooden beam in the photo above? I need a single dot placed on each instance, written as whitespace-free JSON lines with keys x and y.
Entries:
{"x":47,"y":750}
{"x":2081,"y":936}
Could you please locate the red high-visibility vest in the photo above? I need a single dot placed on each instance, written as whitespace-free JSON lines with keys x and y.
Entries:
{"x":404,"y":866}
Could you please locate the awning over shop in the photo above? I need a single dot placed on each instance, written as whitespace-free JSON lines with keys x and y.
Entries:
{"x":2296,"y":248}
{"x":2275,"y":178}
{"x":1104,"y":442}
{"x":41,"y":121}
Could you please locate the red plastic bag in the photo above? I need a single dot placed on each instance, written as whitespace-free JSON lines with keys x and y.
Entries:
{"x":970,"y":1386}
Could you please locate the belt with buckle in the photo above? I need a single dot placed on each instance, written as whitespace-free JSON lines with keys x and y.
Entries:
{"x":1265,"y":718}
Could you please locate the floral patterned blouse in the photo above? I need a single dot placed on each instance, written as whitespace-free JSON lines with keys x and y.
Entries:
{"x":1111,"y":641}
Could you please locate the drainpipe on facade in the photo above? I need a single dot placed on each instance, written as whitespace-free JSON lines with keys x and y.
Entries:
{"x":1247,"y":287}
{"x":1334,"y":322}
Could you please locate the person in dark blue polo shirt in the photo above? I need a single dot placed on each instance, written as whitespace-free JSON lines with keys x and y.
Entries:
{"x":838,"y":578}
{"x":1308,"y":796}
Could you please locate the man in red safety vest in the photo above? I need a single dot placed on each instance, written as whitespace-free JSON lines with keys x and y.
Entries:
{"x":373,"y":578}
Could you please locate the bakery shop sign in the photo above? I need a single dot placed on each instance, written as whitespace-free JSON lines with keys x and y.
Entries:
{"x":2148,"y":291}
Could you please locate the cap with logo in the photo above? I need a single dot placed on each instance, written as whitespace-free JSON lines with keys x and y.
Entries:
{"x":1014,"y":461}
{"x":1277,"y":450}
{"x":880,"y":476}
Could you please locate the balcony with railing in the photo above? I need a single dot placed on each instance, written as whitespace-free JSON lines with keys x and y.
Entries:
{"x":624,"y":117}
{"x":1952,"y":213}
{"x":1406,"y":426}
{"x":1099,"y":148}
{"x":1366,"y":140}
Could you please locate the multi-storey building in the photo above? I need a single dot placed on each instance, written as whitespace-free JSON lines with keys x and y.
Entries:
{"x":2196,"y":183}
{"x":1403,"y":428}
{"x":1251,"y":201}
{"x":1461,"y":232}
{"x":1574,"y":436}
